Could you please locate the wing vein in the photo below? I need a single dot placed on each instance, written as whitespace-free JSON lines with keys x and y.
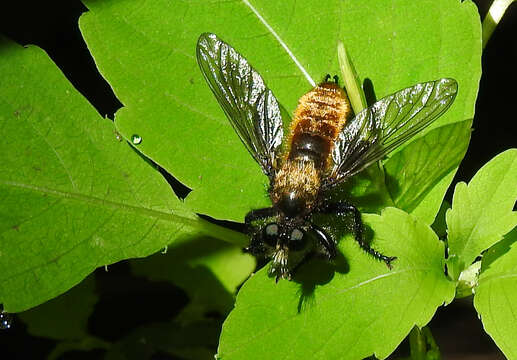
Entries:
{"x":387,"y":124}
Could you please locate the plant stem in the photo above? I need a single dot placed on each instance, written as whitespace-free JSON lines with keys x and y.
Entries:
{"x":492,"y":18}
{"x":422,"y":345}
{"x":351,"y":81}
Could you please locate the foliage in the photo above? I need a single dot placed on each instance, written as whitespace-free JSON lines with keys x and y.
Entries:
{"x":79,"y":192}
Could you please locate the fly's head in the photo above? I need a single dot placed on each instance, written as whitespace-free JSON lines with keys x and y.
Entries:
{"x":283,"y":241}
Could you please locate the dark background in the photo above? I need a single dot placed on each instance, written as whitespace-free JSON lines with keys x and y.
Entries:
{"x":52,"y":25}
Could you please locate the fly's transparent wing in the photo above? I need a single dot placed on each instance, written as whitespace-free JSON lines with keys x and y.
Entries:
{"x":250,"y":106}
{"x":387,"y":124}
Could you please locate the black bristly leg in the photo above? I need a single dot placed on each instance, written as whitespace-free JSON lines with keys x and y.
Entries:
{"x":335,"y":77}
{"x":259,"y":214}
{"x":325,"y":240}
{"x":327,"y":78}
{"x":341,"y":208}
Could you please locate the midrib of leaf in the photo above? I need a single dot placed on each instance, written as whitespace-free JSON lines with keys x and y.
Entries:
{"x":194,"y":222}
{"x":280,"y":41}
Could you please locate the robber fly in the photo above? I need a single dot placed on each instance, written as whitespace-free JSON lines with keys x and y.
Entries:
{"x":324,"y":146}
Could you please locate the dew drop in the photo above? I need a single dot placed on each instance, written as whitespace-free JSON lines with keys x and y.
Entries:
{"x":5,"y":321}
{"x":136,"y":139}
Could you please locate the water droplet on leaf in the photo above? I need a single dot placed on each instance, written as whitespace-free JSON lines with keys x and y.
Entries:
{"x":136,"y":139}
{"x":118,"y":136}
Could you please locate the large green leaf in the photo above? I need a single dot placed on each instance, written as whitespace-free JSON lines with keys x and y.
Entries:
{"x":146,"y":50}
{"x":495,"y":298}
{"x":482,"y":211}
{"x":74,"y":197}
{"x":339,"y":315}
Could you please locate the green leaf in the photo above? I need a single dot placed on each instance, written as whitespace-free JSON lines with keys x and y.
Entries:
{"x":146,"y":51}
{"x":74,"y":197}
{"x":482,"y":211}
{"x":496,"y":296}
{"x":338,"y":312}
{"x":413,"y":175}
{"x":209,"y":270}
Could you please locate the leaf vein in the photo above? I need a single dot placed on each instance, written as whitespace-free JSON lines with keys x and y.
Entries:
{"x":281,"y":42}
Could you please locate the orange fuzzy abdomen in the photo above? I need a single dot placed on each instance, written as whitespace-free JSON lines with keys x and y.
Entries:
{"x":318,"y":119}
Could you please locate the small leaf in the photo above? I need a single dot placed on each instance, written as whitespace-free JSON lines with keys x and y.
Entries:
{"x":338,"y":312}
{"x":495,"y":298}
{"x":482,"y":211}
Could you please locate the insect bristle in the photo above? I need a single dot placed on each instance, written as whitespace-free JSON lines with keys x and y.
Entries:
{"x":279,"y":264}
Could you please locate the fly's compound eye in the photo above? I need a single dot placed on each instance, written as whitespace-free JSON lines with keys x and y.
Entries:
{"x":271,"y":234}
{"x":297,"y":240}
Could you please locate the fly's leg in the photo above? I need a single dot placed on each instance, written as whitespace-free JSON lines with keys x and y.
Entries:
{"x":342,"y":208}
{"x":326,"y":241}
{"x":335,"y":79}
{"x":259,"y":214}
